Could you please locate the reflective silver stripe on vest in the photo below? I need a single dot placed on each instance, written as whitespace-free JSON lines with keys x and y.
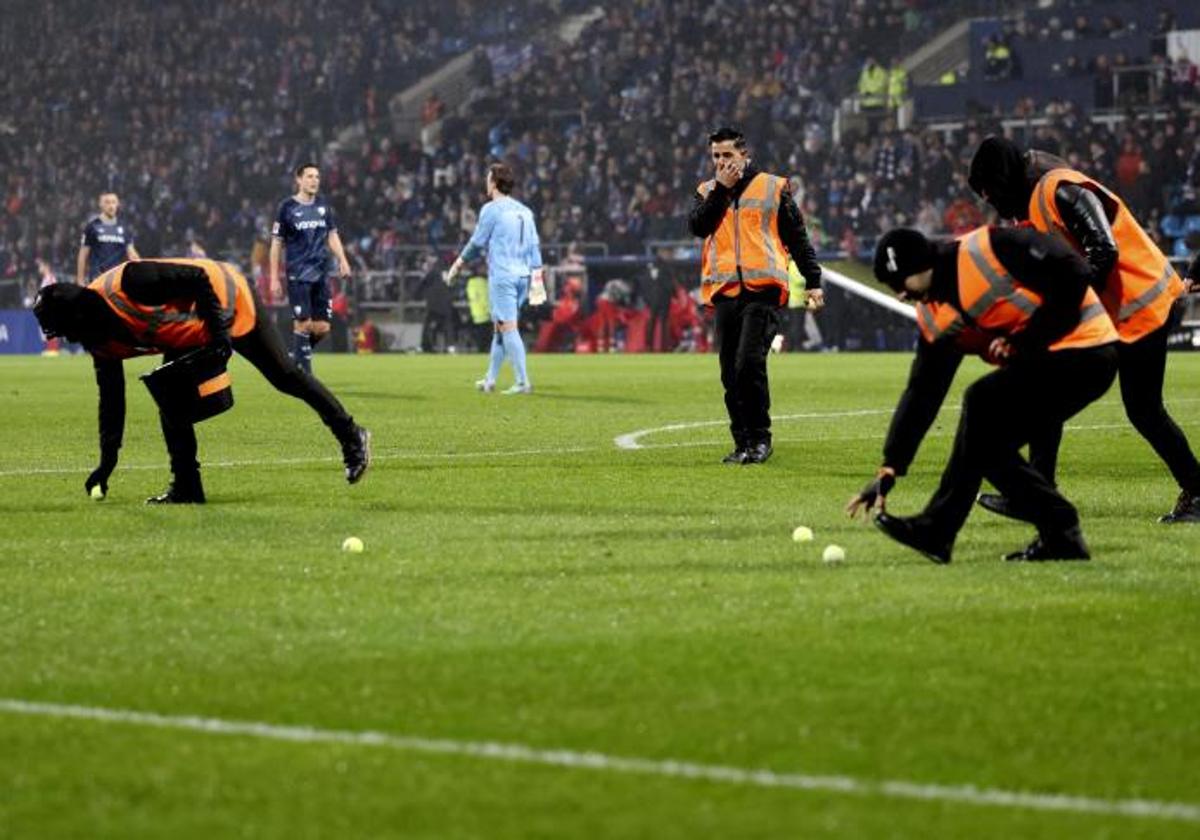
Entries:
{"x":1147,"y":297}
{"x":720,"y":279}
{"x":769,"y":209}
{"x":230,"y":293}
{"x":1000,"y":285}
{"x":1092,"y":310}
{"x":931,"y":325}
{"x":765,"y":274}
{"x":150,"y":321}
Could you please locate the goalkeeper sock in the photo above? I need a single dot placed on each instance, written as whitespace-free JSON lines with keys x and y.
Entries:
{"x":496,"y":359}
{"x":515,"y":350}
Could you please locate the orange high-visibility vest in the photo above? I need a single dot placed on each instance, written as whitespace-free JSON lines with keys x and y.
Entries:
{"x":170,"y":326}
{"x":747,"y":240}
{"x":994,"y":301}
{"x":1141,"y":288}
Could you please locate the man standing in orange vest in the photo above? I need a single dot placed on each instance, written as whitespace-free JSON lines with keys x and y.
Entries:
{"x":750,"y":224}
{"x":1134,"y":280}
{"x":173,"y":306}
{"x":1021,"y":299}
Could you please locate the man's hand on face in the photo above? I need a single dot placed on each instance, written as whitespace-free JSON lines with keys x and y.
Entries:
{"x":729,"y":172}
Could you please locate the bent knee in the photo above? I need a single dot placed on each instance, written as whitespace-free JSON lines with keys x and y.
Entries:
{"x":505,"y":326}
{"x":302,"y":325}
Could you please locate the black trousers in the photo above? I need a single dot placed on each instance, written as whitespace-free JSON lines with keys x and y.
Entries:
{"x":443,"y":321}
{"x":1002,"y":412}
{"x":745,"y":326}
{"x":1141,"y":366}
{"x":264,"y":349}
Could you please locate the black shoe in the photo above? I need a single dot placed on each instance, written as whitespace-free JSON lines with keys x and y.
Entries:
{"x":737,"y":456}
{"x":356,"y":452}
{"x":758,"y":453}
{"x":996,"y":503}
{"x":1187,"y":509}
{"x":907,"y":532}
{"x":180,"y":493}
{"x":1068,"y":545}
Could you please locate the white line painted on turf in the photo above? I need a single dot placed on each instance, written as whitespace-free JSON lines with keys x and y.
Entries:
{"x":670,"y":768}
{"x":627,"y":442}
{"x":319,"y":459}
{"x":632,"y":440}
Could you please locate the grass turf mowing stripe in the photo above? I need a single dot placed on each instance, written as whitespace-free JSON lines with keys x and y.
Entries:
{"x":670,"y":768}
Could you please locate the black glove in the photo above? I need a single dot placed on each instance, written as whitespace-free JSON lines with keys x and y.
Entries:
{"x":880,"y":485}
{"x":99,"y":476}
{"x":222,"y":345}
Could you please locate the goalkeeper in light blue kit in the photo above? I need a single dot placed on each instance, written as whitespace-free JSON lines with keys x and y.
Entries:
{"x":508,"y":234}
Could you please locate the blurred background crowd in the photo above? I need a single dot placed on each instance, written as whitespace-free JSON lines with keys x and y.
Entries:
{"x":195,"y":114}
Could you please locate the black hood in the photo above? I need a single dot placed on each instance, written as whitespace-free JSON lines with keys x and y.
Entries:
{"x":69,"y":311}
{"x":1000,"y":174}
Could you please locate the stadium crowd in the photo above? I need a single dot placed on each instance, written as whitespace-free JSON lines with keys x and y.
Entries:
{"x":196,"y":116}
{"x":608,"y":135}
{"x":196,"y":113}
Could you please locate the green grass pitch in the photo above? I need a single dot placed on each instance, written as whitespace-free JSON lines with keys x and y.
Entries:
{"x":528,"y":583}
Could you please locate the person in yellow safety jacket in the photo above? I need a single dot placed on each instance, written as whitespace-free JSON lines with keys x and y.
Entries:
{"x":172,"y":306}
{"x":1020,"y":299}
{"x":802,"y":330}
{"x":1135,"y":281}
{"x":897,"y":84}
{"x":872,"y":85}
{"x":481,"y":317}
{"x":750,"y":225}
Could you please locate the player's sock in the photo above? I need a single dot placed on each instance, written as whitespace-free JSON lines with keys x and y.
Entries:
{"x":497,"y":358}
{"x":515,"y":349}
{"x":302,"y":351}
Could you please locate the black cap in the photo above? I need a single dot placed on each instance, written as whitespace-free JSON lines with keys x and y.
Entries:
{"x":901,"y":253}
{"x":58,"y":311}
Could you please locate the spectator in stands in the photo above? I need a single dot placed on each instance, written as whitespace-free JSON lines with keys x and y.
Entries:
{"x":998,"y":61}
{"x":872,"y":86}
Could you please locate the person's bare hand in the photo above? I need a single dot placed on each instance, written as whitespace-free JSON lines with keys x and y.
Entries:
{"x":729,"y":172}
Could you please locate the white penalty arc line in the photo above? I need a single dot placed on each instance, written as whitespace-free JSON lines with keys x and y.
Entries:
{"x":668,"y":768}
{"x":632,"y":440}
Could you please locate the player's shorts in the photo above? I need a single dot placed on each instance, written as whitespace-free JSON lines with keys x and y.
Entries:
{"x":506,"y":296}
{"x":309,"y":301}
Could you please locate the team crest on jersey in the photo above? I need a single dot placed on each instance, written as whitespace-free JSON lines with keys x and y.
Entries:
{"x":120,"y":230}
{"x":321,"y":210}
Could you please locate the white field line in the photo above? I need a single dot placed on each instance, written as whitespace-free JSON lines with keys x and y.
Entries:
{"x":630,"y":441}
{"x":668,"y":768}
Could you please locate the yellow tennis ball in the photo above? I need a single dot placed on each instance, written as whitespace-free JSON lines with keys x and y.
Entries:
{"x":353,"y":545}
{"x":833,"y":554}
{"x":802,"y":534}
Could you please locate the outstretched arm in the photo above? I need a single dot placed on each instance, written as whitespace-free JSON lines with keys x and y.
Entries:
{"x":110,"y":379}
